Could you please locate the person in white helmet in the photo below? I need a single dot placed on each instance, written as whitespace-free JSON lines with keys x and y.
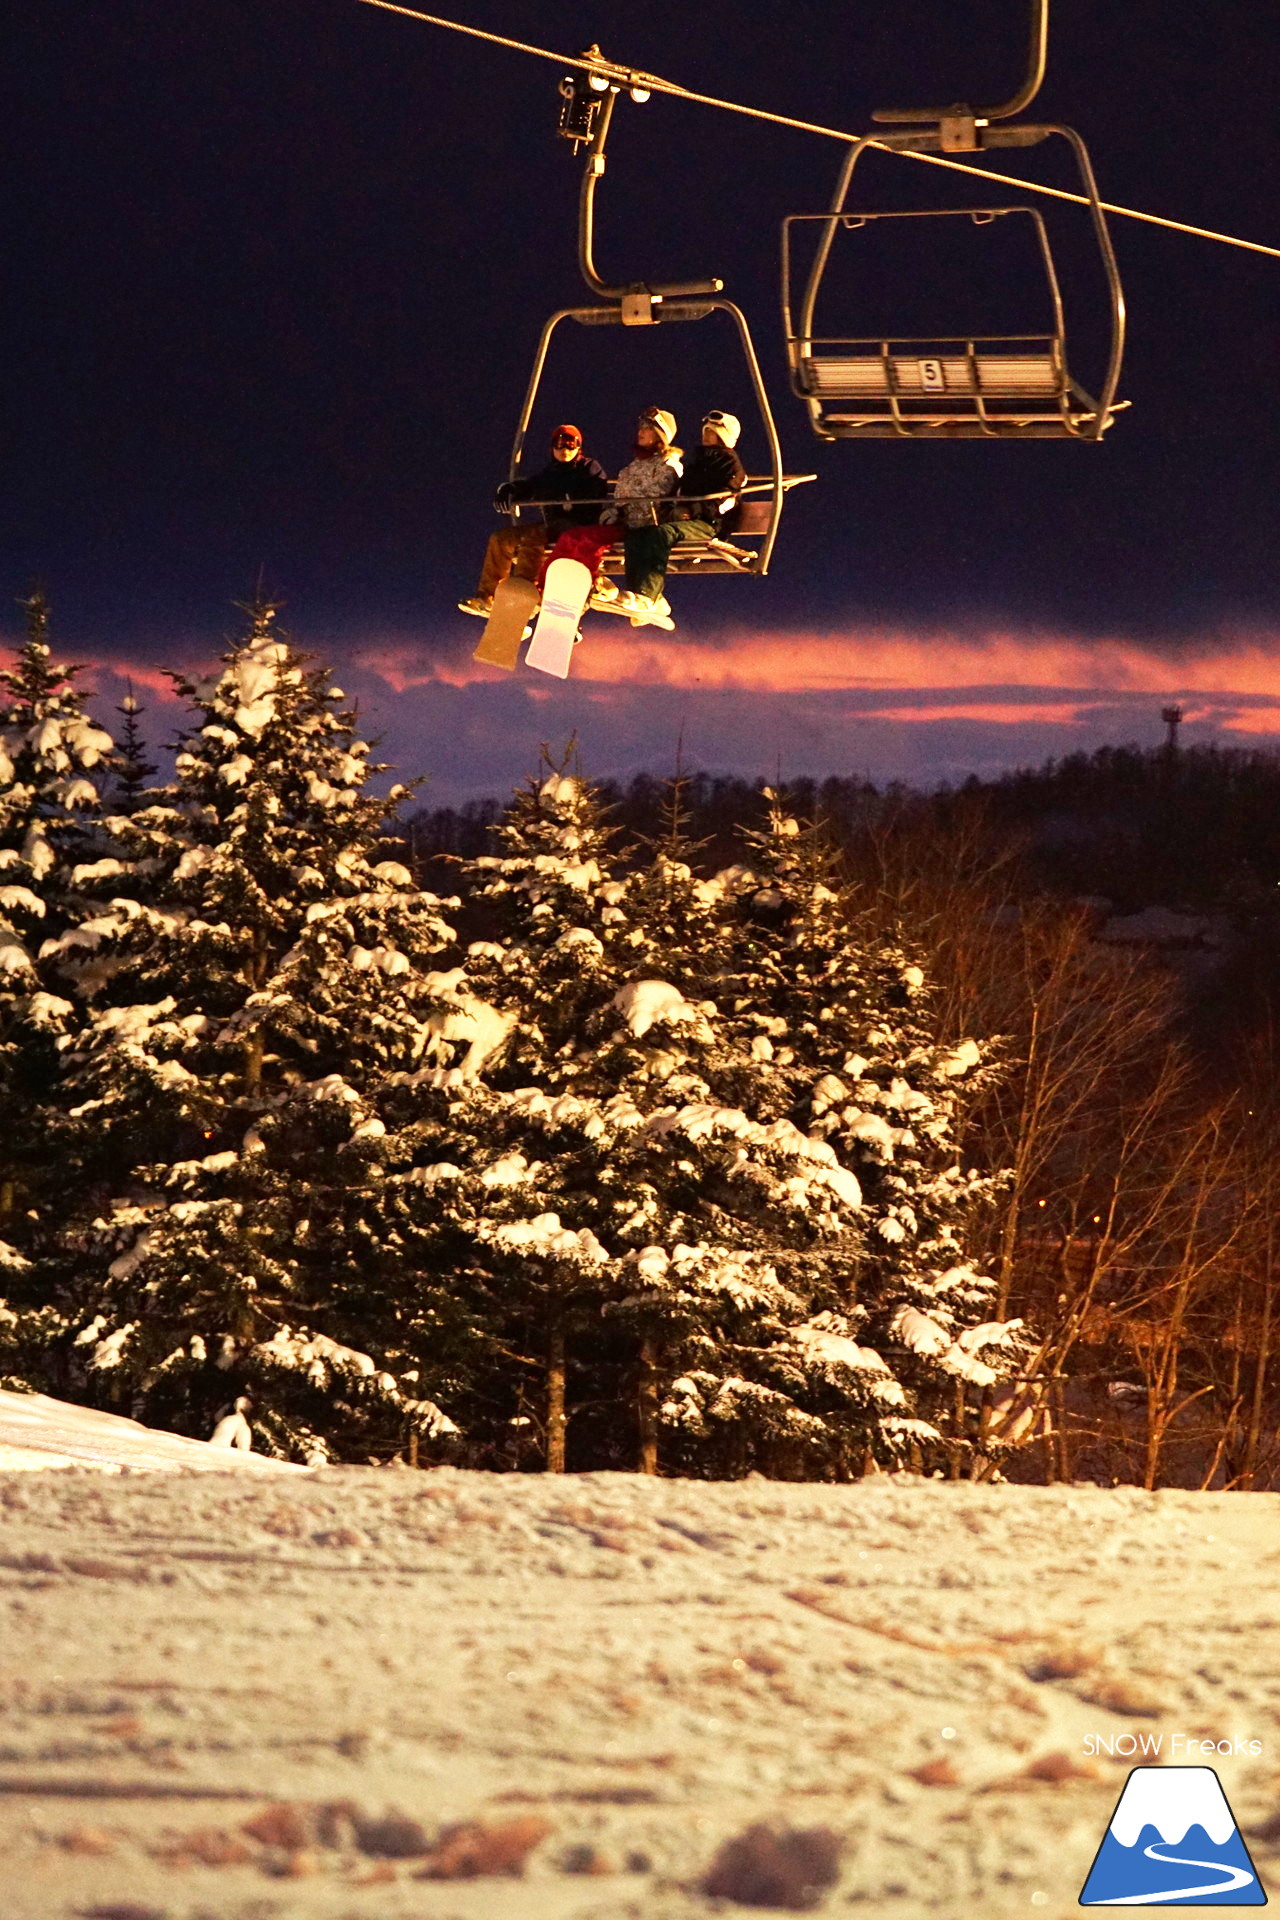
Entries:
{"x":653,"y":474}
{"x":704,"y":508}
{"x":641,"y":495}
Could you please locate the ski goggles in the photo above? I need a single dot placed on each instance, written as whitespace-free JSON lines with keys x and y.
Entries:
{"x":716,"y":419}
{"x":566,"y":437}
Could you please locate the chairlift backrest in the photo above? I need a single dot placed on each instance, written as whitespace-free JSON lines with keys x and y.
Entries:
{"x":961,"y":385}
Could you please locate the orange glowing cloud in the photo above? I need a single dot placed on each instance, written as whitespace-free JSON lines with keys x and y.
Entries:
{"x":1245,"y":720}
{"x":151,"y":679}
{"x":992,"y":712}
{"x":884,"y":703}
{"x":884,"y":665}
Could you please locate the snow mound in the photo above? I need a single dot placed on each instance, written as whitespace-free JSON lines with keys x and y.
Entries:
{"x":36,"y":1431}
{"x":644,"y":1003}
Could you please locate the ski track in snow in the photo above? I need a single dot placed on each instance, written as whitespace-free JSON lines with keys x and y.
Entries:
{"x":651,"y":1665}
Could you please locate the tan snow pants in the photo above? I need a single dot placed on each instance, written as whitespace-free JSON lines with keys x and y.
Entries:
{"x":511,"y":550}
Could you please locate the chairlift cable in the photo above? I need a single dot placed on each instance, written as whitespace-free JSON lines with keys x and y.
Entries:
{"x":623,"y":76}
{"x":1080,"y":200}
{"x":636,"y":77}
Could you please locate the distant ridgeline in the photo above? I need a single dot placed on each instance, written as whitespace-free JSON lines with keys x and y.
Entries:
{"x":1196,"y":828}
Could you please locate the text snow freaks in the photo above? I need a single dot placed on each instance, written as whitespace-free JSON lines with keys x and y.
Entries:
{"x":1182,"y":1747}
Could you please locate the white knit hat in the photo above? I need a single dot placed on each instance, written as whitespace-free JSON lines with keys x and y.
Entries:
{"x":727,"y":425}
{"x":661,"y":421}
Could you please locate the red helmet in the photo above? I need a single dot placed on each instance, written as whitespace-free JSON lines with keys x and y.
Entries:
{"x":567,"y":436}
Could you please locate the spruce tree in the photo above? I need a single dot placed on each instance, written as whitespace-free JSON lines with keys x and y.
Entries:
{"x":642,"y":1220}
{"x":253,"y":984}
{"x":843,"y":1017}
{"x":51,"y":755}
{"x":521,"y":1004}
{"x":131,"y":766}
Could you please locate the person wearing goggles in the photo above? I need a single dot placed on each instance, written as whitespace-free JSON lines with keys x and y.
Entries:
{"x":641,"y":494}
{"x":569,"y":489}
{"x":652,"y":474}
{"x":704,"y":508}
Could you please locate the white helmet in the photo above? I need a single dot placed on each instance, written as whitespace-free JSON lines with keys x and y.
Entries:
{"x":727,"y":425}
{"x":662,"y":421}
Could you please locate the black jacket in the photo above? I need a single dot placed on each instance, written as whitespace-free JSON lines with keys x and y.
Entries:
{"x":562,"y":480}
{"x":712,"y":473}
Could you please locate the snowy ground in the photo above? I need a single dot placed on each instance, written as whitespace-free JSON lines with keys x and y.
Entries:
{"x":634,"y":1670}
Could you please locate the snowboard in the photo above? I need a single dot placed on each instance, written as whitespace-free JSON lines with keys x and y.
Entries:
{"x":663,"y":620}
{"x":564,"y":601}
{"x":514,"y":604}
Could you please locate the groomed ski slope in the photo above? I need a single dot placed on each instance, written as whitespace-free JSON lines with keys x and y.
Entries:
{"x":641,"y":1668}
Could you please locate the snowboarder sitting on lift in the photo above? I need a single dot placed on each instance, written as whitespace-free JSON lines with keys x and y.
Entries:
{"x":639,"y":493}
{"x":568,"y":476}
{"x":705,"y":509}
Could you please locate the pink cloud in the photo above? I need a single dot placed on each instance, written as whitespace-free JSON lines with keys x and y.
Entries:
{"x":1245,"y":720}
{"x":881,"y":704}
{"x":412,"y":663}
{"x":997,"y":713}
{"x":860,"y":661}
{"x":154,"y":680}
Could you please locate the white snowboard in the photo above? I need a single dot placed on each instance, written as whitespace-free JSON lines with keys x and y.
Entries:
{"x":663,"y":620}
{"x":564,"y":600}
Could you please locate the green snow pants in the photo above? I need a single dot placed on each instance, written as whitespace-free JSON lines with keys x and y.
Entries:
{"x":648,"y":551}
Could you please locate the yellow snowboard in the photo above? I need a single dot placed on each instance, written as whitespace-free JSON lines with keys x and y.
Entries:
{"x":514,"y":605}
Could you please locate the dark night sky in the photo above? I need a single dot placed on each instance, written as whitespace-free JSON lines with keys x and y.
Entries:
{"x":276,"y":274}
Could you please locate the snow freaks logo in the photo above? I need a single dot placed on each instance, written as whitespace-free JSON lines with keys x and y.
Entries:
{"x":1172,"y":1842}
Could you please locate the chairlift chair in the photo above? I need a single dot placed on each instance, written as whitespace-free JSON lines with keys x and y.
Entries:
{"x":586,"y":115}
{"x":958,"y":386}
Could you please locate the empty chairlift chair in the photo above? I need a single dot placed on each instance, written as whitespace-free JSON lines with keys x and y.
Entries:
{"x":948,"y":386}
{"x":993,"y":386}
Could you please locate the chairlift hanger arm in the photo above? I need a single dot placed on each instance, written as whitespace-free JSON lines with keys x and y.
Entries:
{"x":1037,"y":54}
{"x":652,"y":83}
{"x":594,"y":169}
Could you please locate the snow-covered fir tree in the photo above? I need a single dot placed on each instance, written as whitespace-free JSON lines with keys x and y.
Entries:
{"x":647,"y":1218}
{"x":843,"y":1018}
{"x":51,"y":755}
{"x":516,"y":1010}
{"x":254,"y":976}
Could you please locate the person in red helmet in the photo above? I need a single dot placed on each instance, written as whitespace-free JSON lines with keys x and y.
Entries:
{"x":640,"y":494}
{"x":570,"y":490}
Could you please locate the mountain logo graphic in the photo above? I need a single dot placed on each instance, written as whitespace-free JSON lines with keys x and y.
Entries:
{"x":1172,"y":1842}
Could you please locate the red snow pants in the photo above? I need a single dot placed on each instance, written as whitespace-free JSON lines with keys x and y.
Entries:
{"x":580,"y":543}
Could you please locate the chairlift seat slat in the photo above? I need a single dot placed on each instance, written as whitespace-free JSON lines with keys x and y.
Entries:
{"x":1009,"y":426}
{"x":935,"y":377}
